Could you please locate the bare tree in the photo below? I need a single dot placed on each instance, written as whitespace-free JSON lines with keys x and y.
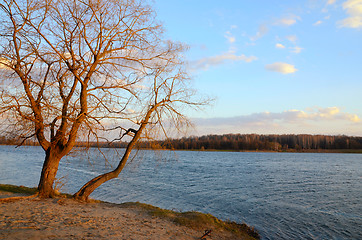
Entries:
{"x":76,"y":70}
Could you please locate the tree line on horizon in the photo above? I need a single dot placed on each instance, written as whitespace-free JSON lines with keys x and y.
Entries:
{"x":257,"y":142}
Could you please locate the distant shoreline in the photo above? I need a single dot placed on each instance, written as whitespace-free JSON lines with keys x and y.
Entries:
{"x":357,"y":151}
{"x":239,"y":143}
{"x":353,"y":151}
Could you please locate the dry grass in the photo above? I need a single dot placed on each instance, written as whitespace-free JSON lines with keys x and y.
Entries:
{"x":26,"y":190}
{"x":197,"y":220}
{"x":17,"y":189}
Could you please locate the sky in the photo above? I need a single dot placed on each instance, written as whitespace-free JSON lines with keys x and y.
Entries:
{"x":273,"y":66}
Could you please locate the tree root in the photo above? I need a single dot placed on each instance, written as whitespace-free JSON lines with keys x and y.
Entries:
{"x":13,"y":199}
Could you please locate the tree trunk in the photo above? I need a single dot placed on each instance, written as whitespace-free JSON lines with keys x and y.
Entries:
{"x":90,"y":186}
{"x":48,"y":173}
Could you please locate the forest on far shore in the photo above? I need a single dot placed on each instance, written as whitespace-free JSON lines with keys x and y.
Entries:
{"x":240,"y":142}
{"x":257,"y":142}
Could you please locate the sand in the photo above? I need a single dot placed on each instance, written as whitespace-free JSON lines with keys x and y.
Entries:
{"x":62,"y":218}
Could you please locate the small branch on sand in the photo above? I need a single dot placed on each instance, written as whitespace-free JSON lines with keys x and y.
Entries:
{"x":207,"y":233}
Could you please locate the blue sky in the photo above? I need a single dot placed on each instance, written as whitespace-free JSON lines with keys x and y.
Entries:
{"x":273,"y":66}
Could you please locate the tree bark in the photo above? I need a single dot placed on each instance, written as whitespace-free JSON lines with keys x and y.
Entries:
{"x":48,"y":173}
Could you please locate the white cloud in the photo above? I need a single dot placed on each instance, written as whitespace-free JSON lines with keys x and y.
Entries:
{"x":317,"y":114}
{"x":329,"y":2}
{"x":129,"y":110}
{"x":318,"y":23}
{"x":354,"y":9}
{"x":351,"y":22}
{"x":326,"y":112}
{"x":287,"y":21}
{"x":279,"y":45}
{"x":281,"y":67}
{"x":353,"y":118}
{"x":230,"y":55}
{"x":296,"y":49}
{"x":263,"y":29}
{"x":292,"y":38}
{"x":5,"y":63}
{"x":205,"y":63}
{"x":230,"y":37}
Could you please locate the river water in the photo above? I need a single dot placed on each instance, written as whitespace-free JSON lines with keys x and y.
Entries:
{"x":283,"y":195}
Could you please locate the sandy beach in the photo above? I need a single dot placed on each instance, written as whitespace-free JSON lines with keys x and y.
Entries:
{"x":62,"y":218}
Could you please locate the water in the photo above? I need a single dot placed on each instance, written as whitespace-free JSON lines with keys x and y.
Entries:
{"x":283,"y":195}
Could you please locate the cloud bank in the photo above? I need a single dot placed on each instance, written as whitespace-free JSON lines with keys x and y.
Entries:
{"x":316,"y":120}
{"x":281,"y":67}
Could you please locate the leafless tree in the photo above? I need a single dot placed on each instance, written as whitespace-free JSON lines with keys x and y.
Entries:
{"x":76,"y":70}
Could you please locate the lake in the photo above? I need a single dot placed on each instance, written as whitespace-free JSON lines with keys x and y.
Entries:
{"x":283,"y":195}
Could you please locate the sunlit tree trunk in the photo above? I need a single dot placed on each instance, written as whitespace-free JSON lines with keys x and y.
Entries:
{"x":48,"y":173}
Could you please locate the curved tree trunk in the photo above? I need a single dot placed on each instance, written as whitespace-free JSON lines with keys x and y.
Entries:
{"x":48,"y":173}
{"x":90,"y":186}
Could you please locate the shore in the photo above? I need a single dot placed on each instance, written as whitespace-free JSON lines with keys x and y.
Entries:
{"x":64,"y":218}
